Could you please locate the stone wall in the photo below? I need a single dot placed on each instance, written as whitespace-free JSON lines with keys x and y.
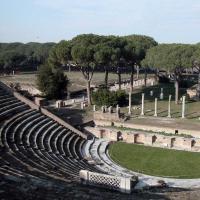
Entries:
{"x":26,"y":101}
{"x":148,"y":139}
{"x":102,"y":133}
{"x":146,"y":128}
{"x":98,"y":115}
{"x":136,"y":83}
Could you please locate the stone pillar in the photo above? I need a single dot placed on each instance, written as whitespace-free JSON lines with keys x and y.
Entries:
{"x":129,"y":105}
{"x":118,"y":110}
{"x":142,"y":108}
{"x":73,"y":101}
{"x":161,"y":94}
{"x":82,"y":105}
{"x":110,"y":109}
{"x":156,"y":107}
{"x":169,"y":107}
{"x":102,"y":109}
{"x":94,"y":108}
{"x":83,"y":98}
{"x":117,"y":107}
{"x":183,"y":107}
{"x":68,"y":95}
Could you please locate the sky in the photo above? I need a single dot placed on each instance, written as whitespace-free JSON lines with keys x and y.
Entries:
{"x":167,"y":21}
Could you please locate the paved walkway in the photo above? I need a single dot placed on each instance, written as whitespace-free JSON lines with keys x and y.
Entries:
{"x":167,"y":125}
{"x":168,"y":122}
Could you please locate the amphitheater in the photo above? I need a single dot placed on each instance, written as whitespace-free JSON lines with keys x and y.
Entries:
{"x":40,"y":153}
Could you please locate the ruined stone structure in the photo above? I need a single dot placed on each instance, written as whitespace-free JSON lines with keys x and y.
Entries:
{"x":39,"y":101}
{"x":149,"y":139}
{"x":43,"y":146}
{"x":136,"y":83}
{"x":192,"y":92}
{"x":108,"y":114}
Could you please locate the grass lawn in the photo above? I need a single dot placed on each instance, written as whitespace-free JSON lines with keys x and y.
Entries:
{"x":156,"y":161}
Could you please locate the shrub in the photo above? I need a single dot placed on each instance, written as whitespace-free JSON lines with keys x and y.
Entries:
{"x":108,"y":98}
{"x":164,"y":79}
{"x":52,"y":82}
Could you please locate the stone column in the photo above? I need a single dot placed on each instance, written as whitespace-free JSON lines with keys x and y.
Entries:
{"x":129,"y":105}
{"x":161,"y":94}
{"x":94,"y":108}
{"x":118,"y":110}
{"x":169,"y":107}
{"x":183,"y":107}
{"x":73,"y":101}
{"x":82,"y":105}
{"x":156,"y":107}
{"x":117,"y":106}
{"x":142,"y":108}
{"x":102,"y":109}
{"x":110,"y":109}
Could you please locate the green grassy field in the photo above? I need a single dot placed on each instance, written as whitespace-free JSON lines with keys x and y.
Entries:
{"x":156,"y":161}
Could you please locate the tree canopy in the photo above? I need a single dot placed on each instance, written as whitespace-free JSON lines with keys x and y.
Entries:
{"x":90,"y":52}
{"x":19,"y":56}
{"x":173,"y":58}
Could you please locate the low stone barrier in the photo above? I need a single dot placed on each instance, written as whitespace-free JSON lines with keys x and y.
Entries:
{"x":195,"y":133}
{"x":147,"y":139}
{"x":136,"y":83}
{"x":121,"y":184}
{"x":26,"y":101}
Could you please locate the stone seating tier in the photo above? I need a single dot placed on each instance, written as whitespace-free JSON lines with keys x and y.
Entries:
{"x":36,"y":145}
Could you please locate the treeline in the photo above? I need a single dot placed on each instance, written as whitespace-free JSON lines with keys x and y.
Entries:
{"x":88,"y":52}
{"x":19,"y":56}
{"x":175,"y":59}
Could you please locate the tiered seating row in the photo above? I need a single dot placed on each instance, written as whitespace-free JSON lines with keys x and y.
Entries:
{"x":35,"y":145}
{"x":96,"y":150}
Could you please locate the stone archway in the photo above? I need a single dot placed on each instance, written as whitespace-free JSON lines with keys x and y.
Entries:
{"x":173,"y":140}
{"x":154,"y":138}
{"x":136,"y":138}
{"x":102,"y":133}
{"x":119,"y":136}
{"x":193,"y":142}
